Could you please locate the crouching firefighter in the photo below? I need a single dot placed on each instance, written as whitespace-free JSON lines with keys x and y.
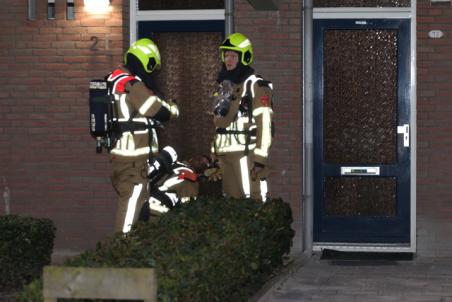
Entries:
{"x":131,"y":137}
{"x":170,"y":182}
{"x":243,"y":122}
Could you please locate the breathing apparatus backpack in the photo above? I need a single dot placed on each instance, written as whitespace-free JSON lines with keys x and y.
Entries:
{"x":102,"y":114}
{"x":105,"y":125}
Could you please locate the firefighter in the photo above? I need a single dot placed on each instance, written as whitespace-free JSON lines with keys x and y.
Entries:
{"x":243,"y":122}
{"x":139,"y":110}
{"x":170,"y":182}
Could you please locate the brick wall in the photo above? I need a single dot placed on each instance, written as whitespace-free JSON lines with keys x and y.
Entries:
{"x":276,"y":38}
{"x":47,"y":157}
{"x":434,"y":152}
{"x":46,"y":154}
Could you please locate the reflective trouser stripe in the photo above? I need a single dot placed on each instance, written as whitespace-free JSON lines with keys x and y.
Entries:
{"x":131,"y":208}
{"x":245,"y":176}
{"x":264,"y":190}
{"x":172,"y":196}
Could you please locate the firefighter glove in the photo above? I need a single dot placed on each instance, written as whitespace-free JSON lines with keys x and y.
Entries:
{"x":213,"y":174}
{"x":173,"y":108}
{"x":259,"y":171}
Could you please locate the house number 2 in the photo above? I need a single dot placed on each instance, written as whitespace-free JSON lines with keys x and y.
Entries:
{"x":94,"y":45}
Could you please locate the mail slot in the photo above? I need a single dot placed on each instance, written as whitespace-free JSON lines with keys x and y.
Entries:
{"x":360,"y":170}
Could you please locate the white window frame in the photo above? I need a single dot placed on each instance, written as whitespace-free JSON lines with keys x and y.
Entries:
{"x":169,"y":15}
{"x":363,"y":12}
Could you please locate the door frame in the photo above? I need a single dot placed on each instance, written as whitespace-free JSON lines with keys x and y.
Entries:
{"x":363,"y":229}
{"x":369,"y":13}
{"x":169,"y":15}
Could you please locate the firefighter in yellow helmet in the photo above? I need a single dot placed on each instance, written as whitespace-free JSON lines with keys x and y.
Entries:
{"x":243,"y":122}
{"x":139,"y":109}
{"x":171,"y":182}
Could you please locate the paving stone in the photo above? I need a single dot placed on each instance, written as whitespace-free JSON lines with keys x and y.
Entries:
{"x":419,"y":280}
{"x":426,"y":298}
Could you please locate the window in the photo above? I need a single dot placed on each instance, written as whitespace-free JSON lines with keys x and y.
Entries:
{"x":179,"y":4}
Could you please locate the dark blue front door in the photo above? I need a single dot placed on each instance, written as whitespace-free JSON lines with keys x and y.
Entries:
{"x":361,"y":131}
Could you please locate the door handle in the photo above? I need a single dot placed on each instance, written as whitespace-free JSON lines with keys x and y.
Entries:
{"x":405,"y":130}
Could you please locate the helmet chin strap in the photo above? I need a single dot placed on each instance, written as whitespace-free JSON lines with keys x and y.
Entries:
{"x":237,"y":75}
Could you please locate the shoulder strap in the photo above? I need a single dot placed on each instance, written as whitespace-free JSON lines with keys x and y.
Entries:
{"x":118,"y":79}
{"x":265,"y":83}
{"x":255,"y":79}
{"x":248,"y":83}
{"x":247,"y":98}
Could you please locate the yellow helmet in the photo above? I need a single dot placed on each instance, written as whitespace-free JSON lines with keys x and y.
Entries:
{"x":147,"y":53}
{"x":239,"y":43}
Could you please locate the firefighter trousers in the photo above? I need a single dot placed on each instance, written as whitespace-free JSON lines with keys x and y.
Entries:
{"x":237,"y":182}
{"x":130,"y":182}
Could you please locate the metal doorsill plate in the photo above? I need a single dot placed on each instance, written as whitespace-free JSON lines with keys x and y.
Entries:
{"x":363,"y":247}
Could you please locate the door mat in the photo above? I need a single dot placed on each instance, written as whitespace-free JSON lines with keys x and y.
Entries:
{"x":363,"y":258}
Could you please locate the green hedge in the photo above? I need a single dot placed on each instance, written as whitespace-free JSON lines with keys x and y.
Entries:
{"x":207,"y":250}
{"x":26,"y":245}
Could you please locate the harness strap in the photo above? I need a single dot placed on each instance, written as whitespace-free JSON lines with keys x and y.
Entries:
{"x":131,"y":126}
{"x":150,"y":125}
{"x":226,"y":131}
{"x":248,"y":98}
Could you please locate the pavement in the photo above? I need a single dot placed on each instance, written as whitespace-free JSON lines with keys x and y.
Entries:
{"x":310,"y":278}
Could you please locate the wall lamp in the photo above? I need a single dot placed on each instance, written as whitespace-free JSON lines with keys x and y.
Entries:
{"x":97,"y":6}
